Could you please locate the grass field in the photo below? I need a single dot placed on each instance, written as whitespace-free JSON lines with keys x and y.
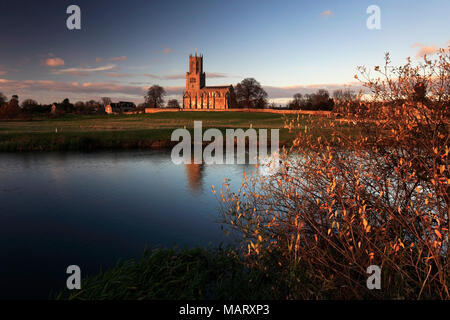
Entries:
{"x":75,"y":132}
{"x":162,"y":120}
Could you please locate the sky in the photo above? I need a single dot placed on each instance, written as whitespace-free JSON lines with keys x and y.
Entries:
{"x":124,"y":47}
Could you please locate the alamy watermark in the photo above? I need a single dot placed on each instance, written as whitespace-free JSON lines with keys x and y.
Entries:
{"x":73,"y":22}
{"x":374,"y":20}
{"x":74,"y":280}
{"x":213,"y":153}
{"x":374,"y":280}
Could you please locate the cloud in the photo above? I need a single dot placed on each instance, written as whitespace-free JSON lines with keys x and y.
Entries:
{"x":327,"y":13}
{"x":118,"y":75}
{"x":45,"y":88}
{"x":54,"y":62}
{"x":121,"y":58}
{"x":289,"y":91}
{"x":424,"y":50}
{"x":113,"y":59}
{"x":174,"y":76}
{"x":80,"y":88}
{"x":70,"y":87}
{"x":84,"y":71}
{"x":2,"y":72}
{"x":217,"y":75}
{"x":181,"y":76}
{"x":166,"y":77}
{"x":153,"y":76}
{"x":167,"y":50}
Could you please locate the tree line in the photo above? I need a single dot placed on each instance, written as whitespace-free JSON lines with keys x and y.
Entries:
{"x":12,"y":108}
{"x":250,"y":94}
{"x":247,"y":94}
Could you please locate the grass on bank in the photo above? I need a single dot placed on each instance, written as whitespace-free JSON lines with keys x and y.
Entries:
{"x":189,"y":274}
{"x":93,"y":132}
{"x":143,"y":131}
{"x":216,"y":274}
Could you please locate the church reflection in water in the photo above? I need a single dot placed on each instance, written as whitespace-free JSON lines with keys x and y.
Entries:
{"x":194,"y":173}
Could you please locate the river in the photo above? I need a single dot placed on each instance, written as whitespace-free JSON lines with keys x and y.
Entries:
{"x":93,"y":209}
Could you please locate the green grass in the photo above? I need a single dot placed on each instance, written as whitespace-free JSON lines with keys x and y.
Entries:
{"x":189,"y":274}
{"x":143,"y":131}
{"x":75,"y":132}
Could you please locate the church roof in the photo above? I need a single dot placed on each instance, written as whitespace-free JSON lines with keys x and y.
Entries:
{"x":217,"y":87}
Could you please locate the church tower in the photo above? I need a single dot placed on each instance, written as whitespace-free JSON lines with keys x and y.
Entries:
{"x":197,"y":95}
{"x":195,"y":78}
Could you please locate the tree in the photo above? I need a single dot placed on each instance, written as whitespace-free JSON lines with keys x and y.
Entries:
{"x":28,"y":105}
{"x":297,"y":102}
{"x":319,"y":100}
{"x":250,"y":94}
{"x":105,"y":101}
{"x":10,"y":110}
{"x":80,"y":107}
{"x":344,"y":95}
{"x":2,"y":99}
{"x":173,"y":103}
{"x":155,"y":96}
{"x":92,"y":106}
{"x":66,"y":106}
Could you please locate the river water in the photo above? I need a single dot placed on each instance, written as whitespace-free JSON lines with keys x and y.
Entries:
{"x":92,"y":209}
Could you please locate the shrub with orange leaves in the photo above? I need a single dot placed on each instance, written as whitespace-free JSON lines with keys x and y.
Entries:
{"x":372,"y":192}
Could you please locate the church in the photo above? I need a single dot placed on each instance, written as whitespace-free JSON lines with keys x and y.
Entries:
{"x":199,"y":96}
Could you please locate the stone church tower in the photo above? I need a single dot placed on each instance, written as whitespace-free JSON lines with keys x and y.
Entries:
{"x":197,"y":95}
{"x":195,"y":78}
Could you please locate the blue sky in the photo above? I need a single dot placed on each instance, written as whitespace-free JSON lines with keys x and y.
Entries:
{"x":124,"y":47}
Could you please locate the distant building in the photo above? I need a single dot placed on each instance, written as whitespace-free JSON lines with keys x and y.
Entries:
{"x":60,"y":108}
{"x":198,"y":96}
{"x":120,"y":107}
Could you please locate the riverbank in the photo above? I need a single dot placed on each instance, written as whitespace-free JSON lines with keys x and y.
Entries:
{"x":168,"y":274}
{"x":221,"y":274}
{"x":144,"y":131}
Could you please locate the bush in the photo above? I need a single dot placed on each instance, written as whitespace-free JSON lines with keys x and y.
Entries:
{"x":10,"y":110}
{"x":339,"y":204}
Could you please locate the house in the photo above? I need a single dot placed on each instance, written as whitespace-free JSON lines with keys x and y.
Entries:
{"x":121,"y":107}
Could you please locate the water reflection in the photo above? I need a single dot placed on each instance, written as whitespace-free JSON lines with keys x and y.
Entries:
{"x":194,"y":173}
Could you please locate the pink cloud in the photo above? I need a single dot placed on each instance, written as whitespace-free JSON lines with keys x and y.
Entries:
{"x":174,"y":76}
{"x":84,"y":71}
{"x":289,"y":91}
{"x":54,"y":62}
{"x":121,"y":58}
{"x":31,"y":87}
{"x":181,"y":76}
{"x":217,"y":75}
{"x":151,"y":76}
{"x":167,"y":50}
{"x":46,"y":88}
{"x":118,"y":75}
{"x":424,"y":50}
{"x":327,"y":13}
